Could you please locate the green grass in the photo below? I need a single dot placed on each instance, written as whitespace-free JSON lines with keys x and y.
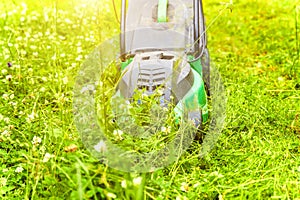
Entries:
{"x":254,"y":46}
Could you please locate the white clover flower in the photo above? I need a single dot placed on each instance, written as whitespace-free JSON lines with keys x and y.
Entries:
{"x":79,"y":58}
{"x":5,"y":96}
{"x":220,"y":197}
{"x":42,"y":89}
{"x":166,"y":129}
{"x":5,"y":133}
{"x":36,"y":140}
{"x":5,"y":170}
{"x":30,"y":118}
{"x":6,"y":120}
{"x":3,"y":182}
{"x":33,"y":47}
{"x":23,"y":52}
{"x":137,"y":181}
{"x":4,"y":71}
{"x":196,"y":185}
{"x":65,"y":80}
{"x":118,"y":134}
{"x":160,"y":92}
{"x":217,"y":174}
{"x":100,"y":147}
{"x":19,"y":169}
{"x":47,"y":157}
{"x":184,"y":187}
{"x":87,"y":88}
{"x":13,"y":104}
{"x":8,"y":77}
{"x":53,"y":57}
{"x":280,"y":78}
{"x":111,"y":195}
{"x":123,"y":184}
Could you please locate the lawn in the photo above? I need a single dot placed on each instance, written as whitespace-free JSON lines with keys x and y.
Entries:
{"x":253,"y":44}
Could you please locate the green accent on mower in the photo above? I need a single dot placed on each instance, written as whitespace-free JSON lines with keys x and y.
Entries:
{"x":163,"y":45}
{"x":162,"y":11}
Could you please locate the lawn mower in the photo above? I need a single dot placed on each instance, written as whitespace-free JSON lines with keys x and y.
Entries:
{"x":163,"y":46}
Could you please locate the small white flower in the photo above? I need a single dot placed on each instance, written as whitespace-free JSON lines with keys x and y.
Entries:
{"x":47,"y":157}
{"x":42,"y":149}
{"x":184,"y":187}
{"x":5,"y":96}
{"x":123,"y":184}
{"x":5,"y":133}
{"x":196,"y":185}
{"x":111,"y":195}
{"x":19,"y":169}
{"x":160,"y":92}
{"x":30,"y":117}
{"x":6,"y":120}
{"x":280,"y":78}
{"x":36,"y":140}
{"x":137,"y":181}
{"x":65,"y":80}
{"x":100,"y":147}
{"x":5,"y":170}
{"x":35,"y":54}
{"x":12,"y":96}
{"x":87,"y":88}
{"x":42,"y":89}
{"x":8,"y":77}
{"x":118,"y":134}
{"x":220,"y":197}
{"x":166,"y":129}
{"x":217,"y":174}
{"x":4,"y":71}
{"x":3,"y":182}
{"x":33,"y":47}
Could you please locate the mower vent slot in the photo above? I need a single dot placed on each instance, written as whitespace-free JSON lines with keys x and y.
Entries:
{"x":151,"y":79}
{"x":164,"y":57}
{"x":146,"y":58}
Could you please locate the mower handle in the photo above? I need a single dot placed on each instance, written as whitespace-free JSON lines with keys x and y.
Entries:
{"x":122,"y":27}
{"x":199,"y":28}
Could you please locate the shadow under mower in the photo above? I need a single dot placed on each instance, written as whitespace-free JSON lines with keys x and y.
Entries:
{"x":163,"y":46}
